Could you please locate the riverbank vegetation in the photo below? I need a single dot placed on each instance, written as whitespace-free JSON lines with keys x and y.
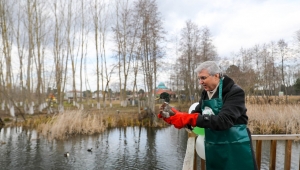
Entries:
{"x":84,"y":122}
{"x":274,"y":119}
{"x":72,"y":123}
{"x":263,"y":119}
{"x":79,"y":122}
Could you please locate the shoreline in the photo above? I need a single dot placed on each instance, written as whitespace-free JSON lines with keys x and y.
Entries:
{"x":76,"y":122}
{"x":262,"y":120}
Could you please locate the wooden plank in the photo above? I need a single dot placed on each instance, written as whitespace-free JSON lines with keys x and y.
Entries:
{"x":195,"y":158}
{"x":272,"y":164}
{"x":188,"y":163}
{"x":276,"y":137}
{"x":288,"y":154}
{"x":258,"y":153}
{"x":202,"y":164}
{"x":191,"y":134}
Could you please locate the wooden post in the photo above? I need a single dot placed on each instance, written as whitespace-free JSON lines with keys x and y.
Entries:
{"x":258,"y":153}
{"x":202,"y":164}
{"x":195,"y":157}
{"x":272,"y":164}
{"x":191,"y":134}
{"x":288,"y":154}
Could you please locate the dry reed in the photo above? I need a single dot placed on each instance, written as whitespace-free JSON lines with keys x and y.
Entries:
{"x":263,"y":119}
{"x":274,"y":119}
{"x":72,"y":123}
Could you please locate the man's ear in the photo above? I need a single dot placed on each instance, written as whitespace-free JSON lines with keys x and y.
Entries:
{"x":217,"y":75}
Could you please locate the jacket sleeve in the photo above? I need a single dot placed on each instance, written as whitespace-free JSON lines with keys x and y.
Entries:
{"x":233,"y":108}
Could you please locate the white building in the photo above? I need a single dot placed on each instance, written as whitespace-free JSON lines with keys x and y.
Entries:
{"x":94,"y":96}
{"x":70,"y":94}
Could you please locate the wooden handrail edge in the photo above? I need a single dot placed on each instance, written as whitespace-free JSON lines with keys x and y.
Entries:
{"x":276,"y":137}
{"x":188,"y":162}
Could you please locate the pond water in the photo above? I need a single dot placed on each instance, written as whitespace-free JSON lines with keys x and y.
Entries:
{"x":119,"y":148}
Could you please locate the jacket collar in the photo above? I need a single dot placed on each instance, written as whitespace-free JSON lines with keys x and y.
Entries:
{"x":227,"y":84}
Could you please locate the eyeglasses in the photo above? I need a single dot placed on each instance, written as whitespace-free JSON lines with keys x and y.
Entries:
{"x":203,"y":78}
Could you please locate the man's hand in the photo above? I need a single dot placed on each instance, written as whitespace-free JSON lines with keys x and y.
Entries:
{"x":180,"y":119}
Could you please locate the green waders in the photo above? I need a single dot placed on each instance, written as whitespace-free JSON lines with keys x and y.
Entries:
{"x":227,"y":149}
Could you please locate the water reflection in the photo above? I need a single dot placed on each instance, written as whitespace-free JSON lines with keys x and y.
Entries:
{"x":120,"y":148}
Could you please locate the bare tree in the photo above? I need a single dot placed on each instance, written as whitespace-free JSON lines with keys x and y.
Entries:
{"x":40,"y":34}
{"x":255,"y":55}
{"x":122,"y":33}
{"x":62,"y":48}
{"x":248,"y":79}
{"x":282,"y":46}
{"x":196,"y":46}
{"x":207,"y":49}
{"x":150,"y":35}
{"x":274,"y":75}
{"x":190,"y":56}
{"x":84,"y":30}
{"x":71,"y":41}
{"x":30,"y":35}
{"x":96,"y":13}
{"x":20,"y":42}
{"x":6,"y":48}
{"x":104,"y":20}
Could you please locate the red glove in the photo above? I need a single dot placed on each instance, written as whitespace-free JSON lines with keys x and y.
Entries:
{"x":181,"y":119}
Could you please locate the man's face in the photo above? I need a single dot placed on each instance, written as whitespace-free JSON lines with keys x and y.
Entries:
{"x":207,"y":81}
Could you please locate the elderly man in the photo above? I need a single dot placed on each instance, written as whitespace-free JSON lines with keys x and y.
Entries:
{"x":222,"y":112}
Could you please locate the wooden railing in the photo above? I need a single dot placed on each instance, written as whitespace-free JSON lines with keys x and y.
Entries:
{"x":190,"y":159}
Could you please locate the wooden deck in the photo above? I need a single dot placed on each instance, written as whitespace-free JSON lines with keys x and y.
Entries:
{"x":190,"y":160}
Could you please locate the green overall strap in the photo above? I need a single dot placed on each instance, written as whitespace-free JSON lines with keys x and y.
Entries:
{"x":220,"y":88}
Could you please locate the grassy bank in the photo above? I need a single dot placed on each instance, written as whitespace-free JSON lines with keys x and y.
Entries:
{"x":263,"y":119}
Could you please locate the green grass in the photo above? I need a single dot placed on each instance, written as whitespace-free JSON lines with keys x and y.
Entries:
{"x":7,"y":119}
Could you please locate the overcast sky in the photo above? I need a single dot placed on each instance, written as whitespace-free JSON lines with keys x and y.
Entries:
{"x":234,"y":23}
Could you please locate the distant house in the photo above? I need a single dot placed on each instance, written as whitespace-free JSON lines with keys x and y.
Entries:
{"x":94,"y":96}
{"x":70,"y":94}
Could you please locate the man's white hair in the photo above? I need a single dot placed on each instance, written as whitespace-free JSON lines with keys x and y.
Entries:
{"x":210,"y":66}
